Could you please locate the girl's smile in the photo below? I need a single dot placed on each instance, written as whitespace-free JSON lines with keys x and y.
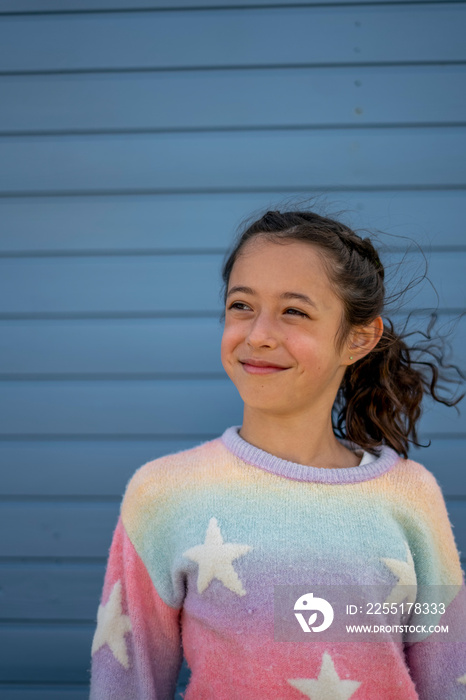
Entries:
{"x":253,"y":366}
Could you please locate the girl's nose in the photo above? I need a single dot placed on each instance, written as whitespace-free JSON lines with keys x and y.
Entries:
{"x":262,"y":333}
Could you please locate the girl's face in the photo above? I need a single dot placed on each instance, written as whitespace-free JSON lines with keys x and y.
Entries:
{"x":281,"y":321}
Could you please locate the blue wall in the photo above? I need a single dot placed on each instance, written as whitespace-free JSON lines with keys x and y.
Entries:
{"x":134,"y":137}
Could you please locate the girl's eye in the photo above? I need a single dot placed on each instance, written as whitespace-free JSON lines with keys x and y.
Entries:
{"x":239,"y":305}
{"x":295,"y":312}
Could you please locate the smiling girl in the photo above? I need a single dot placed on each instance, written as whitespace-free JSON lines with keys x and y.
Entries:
{"x":314,"y":489}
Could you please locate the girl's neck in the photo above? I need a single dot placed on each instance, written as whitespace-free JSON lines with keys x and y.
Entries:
{"x":299,"y":439}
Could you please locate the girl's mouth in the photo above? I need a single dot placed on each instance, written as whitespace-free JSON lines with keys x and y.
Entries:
{"x":261,"y":369}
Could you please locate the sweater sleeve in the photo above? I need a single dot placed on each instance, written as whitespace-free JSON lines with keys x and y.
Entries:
{"x":136,"y":651}
{"x":437,"y":662}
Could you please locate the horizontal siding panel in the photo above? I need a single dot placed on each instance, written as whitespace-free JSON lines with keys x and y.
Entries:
{"x":19,"y":6}
{"x":144,"y":408}
{"x":327,"y":158}
{"x":164,"y":408}
{"x":135,"y":284}
{"x":46,"y":653}
{"x":81,"y":468}
{"x":78,"y":530}
{"x":67,"y":529}
{"x":168,"y":222}
{"x":234,"y":37}
{"x":57,"y":691}
{"x":44,"y":692}
{"x":234,"y":99}
{"x":40,"y":591}
{"x":50,"y":654}
{"x":181,"y":284}
{"x":132,"y":347}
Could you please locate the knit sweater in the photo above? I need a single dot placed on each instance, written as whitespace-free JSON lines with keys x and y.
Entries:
{"x":208,"y":535}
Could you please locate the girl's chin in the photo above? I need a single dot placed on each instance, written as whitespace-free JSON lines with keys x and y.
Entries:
{"x":268,"y":404}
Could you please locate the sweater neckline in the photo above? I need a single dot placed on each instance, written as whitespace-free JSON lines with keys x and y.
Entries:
{"x":385,"y":460}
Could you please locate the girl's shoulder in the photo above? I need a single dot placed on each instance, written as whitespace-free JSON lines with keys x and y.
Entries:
{"x":170,"y":473}
{"x":416,"y":482}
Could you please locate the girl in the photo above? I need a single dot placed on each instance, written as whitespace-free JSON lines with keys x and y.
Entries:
{"x":314,"y":489}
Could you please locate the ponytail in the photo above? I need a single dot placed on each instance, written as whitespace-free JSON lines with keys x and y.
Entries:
{"x":380,"y":398}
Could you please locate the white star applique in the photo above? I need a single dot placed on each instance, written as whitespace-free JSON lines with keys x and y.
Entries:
{"x":327,"y":685}
{"x":215,"y":559}
{"x":406,"y":575}
{"x":462,"y":679}
{"x":112,"y":626}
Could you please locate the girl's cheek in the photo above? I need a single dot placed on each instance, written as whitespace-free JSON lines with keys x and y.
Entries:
{"x":232,"y":335}
{"x":227,"y":346}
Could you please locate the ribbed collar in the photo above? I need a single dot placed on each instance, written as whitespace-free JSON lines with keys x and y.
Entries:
{"x":386,"y":459}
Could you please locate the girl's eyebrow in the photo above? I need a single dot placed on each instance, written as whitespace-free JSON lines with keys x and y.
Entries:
{"x":286,"y":295}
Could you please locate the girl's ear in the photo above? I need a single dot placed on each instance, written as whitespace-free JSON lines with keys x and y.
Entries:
{"x":363,"y":339}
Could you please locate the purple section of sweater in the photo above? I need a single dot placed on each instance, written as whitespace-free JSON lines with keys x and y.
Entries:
{"x":386,"y":459}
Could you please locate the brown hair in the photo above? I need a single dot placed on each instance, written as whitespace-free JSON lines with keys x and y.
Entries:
{"x":379,"y":399}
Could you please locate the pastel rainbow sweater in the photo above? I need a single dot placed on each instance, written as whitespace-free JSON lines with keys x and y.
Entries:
{"x":205,"y":535}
